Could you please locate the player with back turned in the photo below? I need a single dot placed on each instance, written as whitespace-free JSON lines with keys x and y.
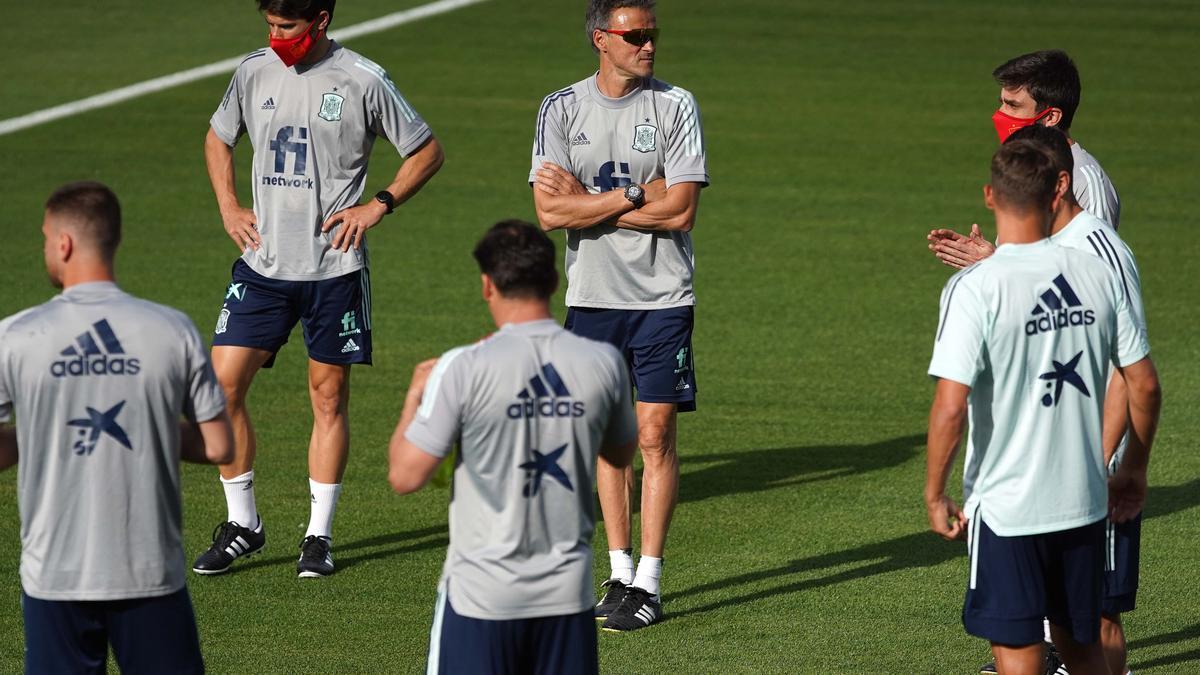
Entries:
{"x":1023,"y":347}
{"x":619,"y":162}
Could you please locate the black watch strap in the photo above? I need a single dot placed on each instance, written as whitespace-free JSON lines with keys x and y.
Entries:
{"x":384,"y":197}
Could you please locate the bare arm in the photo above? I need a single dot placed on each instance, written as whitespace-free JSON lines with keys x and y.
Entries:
{"x":8,"y":446}
{"x":239,"y":222}
{"x":563,"y":203}
{"x":1116,"y":415}
{"x":410,"y":467}
{"x":947,"y":418}
{"x":414,"y":173}
{"x":675,"y":212}
{"x":1127,"y":487}
{"x":208,"y":442}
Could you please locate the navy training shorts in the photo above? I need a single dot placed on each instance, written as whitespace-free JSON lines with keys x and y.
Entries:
{"x":1015,"y":581}
{"x":260,"y":312}
{"x":1122,"y":555}
{"x":148,"y":635}
{"x":656,"y":344}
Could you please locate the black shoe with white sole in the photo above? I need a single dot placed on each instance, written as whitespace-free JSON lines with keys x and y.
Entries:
{"x":612,"y":598}
{"x":316,"y":560}
{"x":638,"y":609}
{"x":230,"y":542}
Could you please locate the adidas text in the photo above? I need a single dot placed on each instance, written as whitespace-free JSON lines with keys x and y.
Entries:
{"x":1064,"y":318}
{"x":100,"y":364}
{"x":546,"y":407}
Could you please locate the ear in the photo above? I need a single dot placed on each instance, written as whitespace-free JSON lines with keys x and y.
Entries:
{"x":1053,"y":117}
{"x":600,"y":40}
{"x":323,"y":19}
{"x":65,"y":246}
{"x":487,"y":288}
{"x":988,"y":198}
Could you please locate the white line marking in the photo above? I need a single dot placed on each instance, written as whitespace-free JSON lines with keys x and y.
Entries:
{"x":228,"y":65}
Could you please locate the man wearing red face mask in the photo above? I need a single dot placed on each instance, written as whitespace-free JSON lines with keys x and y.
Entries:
{"x":312,"y":110}
{"x":1038,"y":88}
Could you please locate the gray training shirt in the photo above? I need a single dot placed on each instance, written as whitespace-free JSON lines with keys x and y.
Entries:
{"x":530,"y":408}
{"x":1093,"y":190}
{"x":312,"y":130}
{"x":609,"y":143}
{"x":99,"y":380}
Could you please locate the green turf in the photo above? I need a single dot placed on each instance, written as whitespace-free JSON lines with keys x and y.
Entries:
{"x":837,"y":136}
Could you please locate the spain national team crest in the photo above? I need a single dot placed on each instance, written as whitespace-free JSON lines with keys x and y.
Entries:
{"x":331,"y":107}
{"x":643,"y":138}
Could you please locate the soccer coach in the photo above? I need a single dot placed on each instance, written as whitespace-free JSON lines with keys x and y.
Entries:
{"x":618,"y":162}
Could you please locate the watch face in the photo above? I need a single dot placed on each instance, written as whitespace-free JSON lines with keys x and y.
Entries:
{"x":633,"y":192}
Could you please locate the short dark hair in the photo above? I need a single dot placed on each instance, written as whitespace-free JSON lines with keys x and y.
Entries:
{"x":600,"y":11}
{"x":1024,"y":175}
{"x":92,"y":212}
{"x":297,"y":9}
{"x":1051,"y":78}
{"x":519,"y":258}
{"x":1053,"y":139}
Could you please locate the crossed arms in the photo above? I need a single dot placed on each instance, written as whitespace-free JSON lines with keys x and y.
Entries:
{"x":562,"y":202}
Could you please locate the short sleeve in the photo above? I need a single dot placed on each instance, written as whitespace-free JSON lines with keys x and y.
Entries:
{"x":1130,"y":343}
{"x":622,"y":421}
{"x":686,"y":160}
{"x":438,"y":422}
{"x":391,"y":115}
{"x":205,"y":398}
{"x":227,"y":122}
{"x":7,"y":386}
{"x":550,"y":134}
{"x":958,"y":348}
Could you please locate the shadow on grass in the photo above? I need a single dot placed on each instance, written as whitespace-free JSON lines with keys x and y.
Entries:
{"x":922,"y":549}
{"x":345,"y":562}
{"x":1190,"y":633}
{"x":776,"y":468}
{"x":1165,"y":500}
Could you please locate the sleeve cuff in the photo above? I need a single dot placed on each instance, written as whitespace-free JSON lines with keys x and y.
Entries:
{"x":701,"y":178}
{"x":419,"y":437}
{"x":408,"y":147}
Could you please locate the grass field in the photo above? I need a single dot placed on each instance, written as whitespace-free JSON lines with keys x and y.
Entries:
{"x":837,"y":136}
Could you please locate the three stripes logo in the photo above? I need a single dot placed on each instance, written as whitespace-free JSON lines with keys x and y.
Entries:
{"x":580,"y":139}
{"x":269,"y":104}
{"x":1055,"y":311}
{"x":546,"y":396}
{"x":87,"y":356}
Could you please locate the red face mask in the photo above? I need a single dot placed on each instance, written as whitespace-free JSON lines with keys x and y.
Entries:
{"x":293,"y":50}
{"x":1007,"y":124}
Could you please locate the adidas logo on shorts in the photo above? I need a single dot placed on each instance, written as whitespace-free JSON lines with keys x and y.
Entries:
{"x":350,"y":346}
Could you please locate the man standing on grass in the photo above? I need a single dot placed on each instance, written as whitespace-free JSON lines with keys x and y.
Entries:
{"x":1025,"y":338}
{"x":313,"y":110}
{"x":618,"y":162}
{"x":530,"y":408}
{"x":1037,"y":88}
{"x":111,"y":392}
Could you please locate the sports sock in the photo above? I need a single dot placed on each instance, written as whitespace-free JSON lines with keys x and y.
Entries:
{"x":324,"y":503}
{"x":621,"y":562}
{"x":649,"y":570}
{"x":239,"y":500}
{"x":1046,"y":631}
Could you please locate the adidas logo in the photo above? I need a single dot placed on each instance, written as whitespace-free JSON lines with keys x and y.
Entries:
{"x":581,"y":139}
{"x":540,"y":400}
{"x":682,"y":385}
{"x":86,"y":357}
{"x":1054,"y":311}
{"x":269,"y":104}
{"x":350,"y":346}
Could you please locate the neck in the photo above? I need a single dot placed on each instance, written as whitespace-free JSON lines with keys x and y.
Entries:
{"x":1020,"y":227}
{"x":318,"y":51}
{"x":1064,"y":216}
{"x":73,"y":275}
{"x":518,"y":310}
{"x":614,"y":83}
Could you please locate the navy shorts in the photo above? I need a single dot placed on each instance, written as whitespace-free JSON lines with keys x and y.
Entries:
{"x":549,"y":645}
{"x":148,"y":635}
{"x":1015,"y":581}
{"x":1122,"y":555}
{"x":656,"y":343}
{"x":260,"y":312}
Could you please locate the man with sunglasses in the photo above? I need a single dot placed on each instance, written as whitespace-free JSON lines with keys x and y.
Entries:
{"x":619,"y":162}
{"x":313,"y":110}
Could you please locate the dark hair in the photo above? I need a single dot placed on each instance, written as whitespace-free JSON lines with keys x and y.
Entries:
{"x":297,"y":9}
{"x":92,"y":212}
{"x":1024,"y":175}
{"x":1050,"y":77}
{"x":1053,"y":139}
{"x":600,"y":11}
{"x":519,"y":258}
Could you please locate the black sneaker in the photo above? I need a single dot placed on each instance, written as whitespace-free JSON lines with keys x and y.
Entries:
{"x":230,"y":542}
{"x":1054,"y":663}
{"x":638,"y":609}
{"x":988,"y":668}
{"x":612,"y":598}
{"x":315,"y":558}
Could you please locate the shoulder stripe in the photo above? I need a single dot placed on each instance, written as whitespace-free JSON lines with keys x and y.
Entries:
{"x":254,"y":55}
{"x":380,"y":74}
{"x":1099,"y":253}
{"x":435,"y":381}
{"x":950,"y":296}
{"x":540,"y":136}
{"x":1116,"y":258}
{"x":691,"y":134}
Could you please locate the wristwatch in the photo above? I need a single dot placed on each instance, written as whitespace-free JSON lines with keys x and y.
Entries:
{"x":634,"y":193}
{"x":384,"y":197}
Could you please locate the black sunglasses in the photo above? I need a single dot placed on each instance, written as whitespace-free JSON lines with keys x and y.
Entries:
{"x":635,"y":36}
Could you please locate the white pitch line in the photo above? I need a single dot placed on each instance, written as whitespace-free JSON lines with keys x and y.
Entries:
{"x":228,"y":65}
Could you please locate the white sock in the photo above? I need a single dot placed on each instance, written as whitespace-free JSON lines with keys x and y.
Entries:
{"x":324,"y":503}
{"x":649,"y":570}
{"x":621,"y":562}
{"x":239,"y":500}
{"x":1046,"y":631}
